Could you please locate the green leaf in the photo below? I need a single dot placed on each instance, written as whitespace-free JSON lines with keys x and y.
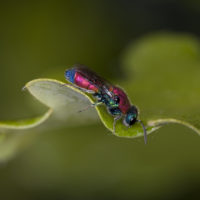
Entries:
{"x":62,"y":102}
{"x":164,"y":79}
{"x":66,"y":100}
{"x":11,"y":143}
{"x":163,"y":82}
{"x":55,"y":94}
{"x":26,"y":123}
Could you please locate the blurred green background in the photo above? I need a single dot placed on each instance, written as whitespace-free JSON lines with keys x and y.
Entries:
{"x":40,"y":39}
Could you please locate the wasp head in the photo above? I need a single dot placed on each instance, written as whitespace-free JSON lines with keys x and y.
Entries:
{"x":131,"y":116}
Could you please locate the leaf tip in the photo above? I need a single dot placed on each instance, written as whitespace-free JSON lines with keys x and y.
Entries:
{"x":24,"y":88}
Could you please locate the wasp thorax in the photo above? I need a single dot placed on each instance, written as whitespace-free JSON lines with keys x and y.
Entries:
{"x":131,"y":116}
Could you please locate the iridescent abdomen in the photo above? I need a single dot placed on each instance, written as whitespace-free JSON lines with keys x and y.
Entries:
{"x":80,"y":80}
{"x":124,"y":103}
{"x":83,"y":82}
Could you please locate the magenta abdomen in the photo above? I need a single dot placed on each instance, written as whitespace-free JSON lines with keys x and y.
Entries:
{"x":82,"y":82}
{"x":124,"y":103}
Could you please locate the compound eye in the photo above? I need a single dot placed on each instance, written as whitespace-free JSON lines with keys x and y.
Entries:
{"x":132,"y":121}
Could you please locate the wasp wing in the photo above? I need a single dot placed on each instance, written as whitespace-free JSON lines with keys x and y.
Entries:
{"x":103,"y":85}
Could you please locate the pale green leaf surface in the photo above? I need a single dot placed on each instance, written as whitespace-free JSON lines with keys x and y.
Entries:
{"x":65,"y":101}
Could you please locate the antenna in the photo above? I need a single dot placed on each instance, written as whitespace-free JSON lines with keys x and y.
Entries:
{"x":145,"y":132}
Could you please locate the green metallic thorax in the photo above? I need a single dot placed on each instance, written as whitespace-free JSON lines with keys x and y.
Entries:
{"x":111,"y":104}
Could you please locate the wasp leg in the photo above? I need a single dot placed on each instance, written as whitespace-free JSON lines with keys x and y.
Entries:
{"x":115,"y":121}
{"x":91,"y":105}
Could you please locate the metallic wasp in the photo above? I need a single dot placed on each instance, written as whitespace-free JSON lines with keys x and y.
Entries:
{"x":113,"y":97}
